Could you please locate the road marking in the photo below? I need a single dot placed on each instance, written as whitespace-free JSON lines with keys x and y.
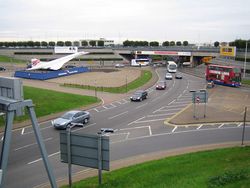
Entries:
{"x":171,"y":102}
{"x":151,"y":120}
{"x":22,"y":131}
{"x":174,"y":129}
{"x":2,"y":138}
{"x":141,"y":106}
{"x":107,"y":107}
{"x":150,"y":131}
{"x":136,"y":120}
{"x":84,"y":127}
{"x":199,"y":127}
{"x":32,"y":162}
{"x":40,"y":130}
{"x":159,"y":109}
{"x":160,"y":115}
{"x":28,"y":145}
{"x":118,"y":115}
{"x":240,"y":124}
{"x":221,"y":125}
{"x":141,"y":127}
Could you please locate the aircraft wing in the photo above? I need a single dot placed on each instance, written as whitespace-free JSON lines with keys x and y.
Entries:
{"x":57,"y":63}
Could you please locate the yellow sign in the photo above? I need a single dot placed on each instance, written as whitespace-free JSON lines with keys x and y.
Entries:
{"x":228,"y":51}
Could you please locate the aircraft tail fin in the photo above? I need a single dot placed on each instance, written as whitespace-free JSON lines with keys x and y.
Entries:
{"x":34,"y":62}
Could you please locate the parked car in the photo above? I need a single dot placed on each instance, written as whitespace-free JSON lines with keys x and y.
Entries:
{"x":119,"y":65}
{"x":210,"y":84}
{"x":161,"y":85}
{"x":2,"y":69}
{"x":75,"y":117}
{"x":139,"y":95}
{"x":178,"y":76}
{"x":107,"y":130}
{"x":168,"y":76}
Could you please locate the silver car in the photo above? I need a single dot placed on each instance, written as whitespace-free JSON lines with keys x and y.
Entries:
{"x":71,"y":118}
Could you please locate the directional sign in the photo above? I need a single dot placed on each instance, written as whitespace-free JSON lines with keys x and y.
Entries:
{"x":200,"y":96}
{"x":84,"y":150}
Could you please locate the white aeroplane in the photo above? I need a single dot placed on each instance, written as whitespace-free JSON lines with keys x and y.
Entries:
{"x":56,"y":64}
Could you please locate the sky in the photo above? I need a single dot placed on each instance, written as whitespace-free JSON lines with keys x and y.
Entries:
{"x":197,"y":21}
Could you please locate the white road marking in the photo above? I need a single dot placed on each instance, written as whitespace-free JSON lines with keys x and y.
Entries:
{"x":106,"y":106}
{"x":172,"y":102}
{"x":40,"y":129}
{"x":118,"y":115}
{"x":22,"y":131}
{"x":136,"y":120}
{"x":150,"y":131}
{"x":141,"y":106}
{"x":32,"y":162}
{"x":159,"y":109}
{"x":221,"y":125}
{"x":28,"y":145}
{"x":160,"y":115}
{"x":2,"y":138}
{"x":141,"y":127}
{"x":240,"y":124}
{"x":150,"y":120}
{"x":174,"y":129}
{"x":199,"y":127}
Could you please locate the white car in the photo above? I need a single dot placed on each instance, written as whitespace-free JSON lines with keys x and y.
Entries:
{"x":168,"y":76}
{"x":119,"y":65}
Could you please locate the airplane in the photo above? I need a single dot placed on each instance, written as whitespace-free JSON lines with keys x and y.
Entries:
{"x":56,"y":64}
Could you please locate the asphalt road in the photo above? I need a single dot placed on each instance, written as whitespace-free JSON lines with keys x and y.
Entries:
{"x":139,"y":129}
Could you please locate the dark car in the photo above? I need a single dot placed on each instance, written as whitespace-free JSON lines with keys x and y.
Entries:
{"x":107,"y":130}
{"x":139,"y":95}
{"x":75,"y":117}
{"x":2,"y":69}
{"x":178,"y":76}
{"x":161,"y":85}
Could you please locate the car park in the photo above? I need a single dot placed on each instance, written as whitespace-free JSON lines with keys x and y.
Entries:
{"x":119,"y":65}
{"x":74,"y":117}
{"x":139,"y":95}
{"x":161,"y":85}
{"x":178,"y":76}
{"x":168,"y":76}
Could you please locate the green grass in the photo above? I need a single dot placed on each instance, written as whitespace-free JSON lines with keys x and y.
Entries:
{"x":49,"y":102}
{"x":144,"y":78}
{"x":6,"y":59}
{"x":227,"y":168}
{"x":247,"y":82}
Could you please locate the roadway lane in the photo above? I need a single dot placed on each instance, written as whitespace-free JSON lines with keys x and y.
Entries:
{"x":139,"y":129}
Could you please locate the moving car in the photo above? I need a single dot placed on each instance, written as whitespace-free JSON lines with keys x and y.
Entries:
{"x":2,"y":69}
{"x":168,"y":76}
{"x":139,"y":95}
{"x":119,"y":65}
{"x":74,"y":117}
{"x":178,"y":76}
{"x":161,"y":85}
{"x":107,"y":130}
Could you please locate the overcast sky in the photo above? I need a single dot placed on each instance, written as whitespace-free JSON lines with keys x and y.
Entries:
{"x":196,"y":21}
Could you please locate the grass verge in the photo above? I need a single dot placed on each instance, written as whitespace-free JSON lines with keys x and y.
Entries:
{"x":49,"y":102}
{"x":247,"y":82}
{"x":227,"y":168}
{"x":6,"y":59}
{"x":144,"y":78}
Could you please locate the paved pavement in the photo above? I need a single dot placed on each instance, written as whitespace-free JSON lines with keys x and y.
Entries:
{"x":225,"y":104}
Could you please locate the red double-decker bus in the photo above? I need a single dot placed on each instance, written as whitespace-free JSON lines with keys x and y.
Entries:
{"x":224,"y":75}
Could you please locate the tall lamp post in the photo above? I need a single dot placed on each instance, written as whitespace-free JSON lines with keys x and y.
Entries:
{"x":244,"y":73}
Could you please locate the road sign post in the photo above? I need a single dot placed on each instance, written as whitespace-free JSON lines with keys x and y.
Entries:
{"x":199,"y":97}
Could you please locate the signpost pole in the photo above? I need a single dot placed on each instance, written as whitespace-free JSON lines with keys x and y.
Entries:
{"x":69,"y":155}
{"x":244,"y":125}
{"x":100,"y":158}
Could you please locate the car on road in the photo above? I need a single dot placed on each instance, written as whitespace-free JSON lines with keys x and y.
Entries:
{"x":210,"y":84}
{"x":161,"y":85}
{"x":107,"y":130}
{"x":74,"y":117}
{"x":2,"y":69}
{"x":168,"y":76}
{"x":139,"y":95}
{"x":178,"y":76}
{"x":119,"y":65}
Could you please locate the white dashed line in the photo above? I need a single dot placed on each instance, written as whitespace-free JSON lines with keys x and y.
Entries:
{"x":118,"y":115}
{"x":174,"y":129}
{"x":221,"y":125}
{"x":22,"y":131}
{"x":199,"y":127}
{"x":136,"y":120}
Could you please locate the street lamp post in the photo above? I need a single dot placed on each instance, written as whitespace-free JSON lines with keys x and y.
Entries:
{"x":244,"y":73}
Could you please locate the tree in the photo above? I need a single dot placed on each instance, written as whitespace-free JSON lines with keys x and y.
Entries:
{"x":60,"y":43}
{"x":44,"y":44}
{"x":185,"y":43}
{"x":178,"y":43}
{"x":92,"y":43}
{"x":100,"y":43}
{"x":84,"y":43}
{"x":68,"y":43}
{"x":154,"y":43}
{"x":165,"y":43}
{"x":76,"y":43}
{"x":30,"y":43}
{"x":216,"y":44}
{"x":37,"y":43}
{"x":172,"y":43}
{"x":51,"y":43}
